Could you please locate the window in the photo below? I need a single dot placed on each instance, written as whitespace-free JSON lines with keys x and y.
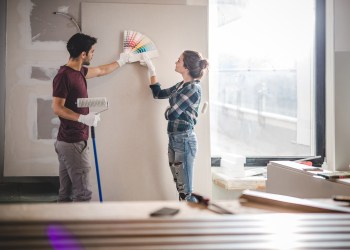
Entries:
{"x":267,"y":79}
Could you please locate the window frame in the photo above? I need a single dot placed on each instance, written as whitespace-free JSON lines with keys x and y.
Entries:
{"x":320,"y":83}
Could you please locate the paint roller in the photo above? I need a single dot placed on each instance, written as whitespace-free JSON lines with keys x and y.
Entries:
{"x":96,"y":102}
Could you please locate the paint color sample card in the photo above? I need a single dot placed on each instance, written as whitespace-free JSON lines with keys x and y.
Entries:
{"x":135,"y":44}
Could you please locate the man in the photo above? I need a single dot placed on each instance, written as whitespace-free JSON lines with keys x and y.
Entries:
{"x":71,"y":146}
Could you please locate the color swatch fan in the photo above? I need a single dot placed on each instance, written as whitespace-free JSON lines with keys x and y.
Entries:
{"x":136,"y":43}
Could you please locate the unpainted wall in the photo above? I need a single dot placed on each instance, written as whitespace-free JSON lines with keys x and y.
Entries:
{"x":36,"y":48}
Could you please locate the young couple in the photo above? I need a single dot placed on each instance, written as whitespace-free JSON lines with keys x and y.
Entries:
{"x":71,"y":145}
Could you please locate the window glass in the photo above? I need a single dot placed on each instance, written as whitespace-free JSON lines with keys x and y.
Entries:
{"x":262,"y":77}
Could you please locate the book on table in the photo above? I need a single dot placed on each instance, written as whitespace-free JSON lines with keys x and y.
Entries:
{"x":335,"y":175}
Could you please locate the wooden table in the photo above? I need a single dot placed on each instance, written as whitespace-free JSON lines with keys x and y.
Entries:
{"x":127,"y":225}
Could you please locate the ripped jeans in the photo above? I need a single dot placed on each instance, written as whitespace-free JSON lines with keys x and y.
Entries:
{"x":182,"y":150}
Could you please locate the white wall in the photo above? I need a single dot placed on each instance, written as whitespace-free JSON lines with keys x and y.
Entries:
{"x":132,"y":136}
{"x":338,"y":87}
{"x":2,"y":82}
{"x":341,"y":27}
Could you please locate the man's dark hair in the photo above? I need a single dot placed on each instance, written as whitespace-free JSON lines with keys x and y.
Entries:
{"x":79,"y":43}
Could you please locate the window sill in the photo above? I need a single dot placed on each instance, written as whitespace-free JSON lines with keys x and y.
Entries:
{"x":249,"y":181}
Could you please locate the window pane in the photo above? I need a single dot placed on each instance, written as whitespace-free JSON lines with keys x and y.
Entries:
{"x":262,"y":77}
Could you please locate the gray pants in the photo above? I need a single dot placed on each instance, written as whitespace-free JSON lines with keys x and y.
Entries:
{"x":74,"y":168}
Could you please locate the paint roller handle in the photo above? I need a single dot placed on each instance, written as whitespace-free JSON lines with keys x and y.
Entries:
{"x":93,"y":132}
{"x":90,"y":119}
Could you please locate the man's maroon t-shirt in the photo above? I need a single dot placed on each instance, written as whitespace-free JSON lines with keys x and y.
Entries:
{"x":71,"y":84}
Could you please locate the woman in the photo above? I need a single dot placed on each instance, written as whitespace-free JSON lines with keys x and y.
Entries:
{"x":184,"y":99}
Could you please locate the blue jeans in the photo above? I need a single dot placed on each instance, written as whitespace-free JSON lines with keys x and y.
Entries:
{"x":182,"y":151}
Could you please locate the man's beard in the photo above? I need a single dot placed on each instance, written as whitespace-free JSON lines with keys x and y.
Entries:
{"x":87,"y":63}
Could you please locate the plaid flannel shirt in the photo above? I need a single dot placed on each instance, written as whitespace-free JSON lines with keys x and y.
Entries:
{"x":184,"y":104}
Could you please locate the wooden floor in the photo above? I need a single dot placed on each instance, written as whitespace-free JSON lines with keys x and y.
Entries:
{"x":128,"y":226}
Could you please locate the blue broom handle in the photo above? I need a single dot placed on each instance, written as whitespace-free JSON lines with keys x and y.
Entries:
{"x":96,"y":163}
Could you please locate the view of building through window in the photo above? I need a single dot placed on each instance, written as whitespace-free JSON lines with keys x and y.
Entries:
{"x":262,"y":77}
